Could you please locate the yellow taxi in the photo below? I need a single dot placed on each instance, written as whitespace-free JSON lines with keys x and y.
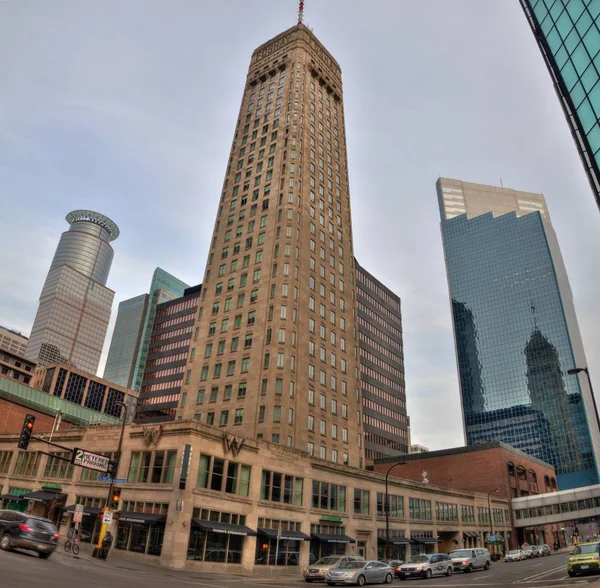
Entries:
{"x":584,"y":559}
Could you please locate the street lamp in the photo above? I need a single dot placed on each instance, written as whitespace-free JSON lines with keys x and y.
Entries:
{"x":387,"y":508}
{"x":490,"y":509}
{"x":116,"y":470}
{"x":574,"y":372}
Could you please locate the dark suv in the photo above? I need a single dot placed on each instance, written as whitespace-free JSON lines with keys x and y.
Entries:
{"x":23,"y":531}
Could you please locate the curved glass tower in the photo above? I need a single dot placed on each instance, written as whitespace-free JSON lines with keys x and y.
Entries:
{"x":515,"y":329}
{"x":74,"y":311}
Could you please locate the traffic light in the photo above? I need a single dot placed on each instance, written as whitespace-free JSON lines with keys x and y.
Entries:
{"x":116,"y":497}
{"x":26,"y":431}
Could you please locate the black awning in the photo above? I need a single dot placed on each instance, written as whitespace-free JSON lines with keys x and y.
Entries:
{"x":13,"y":497}
{"x":285,"y":535}
{"x":469,"y":534}
{"x":87,"y":510}
{"x":332,"y":538}
{"x":143,"y":518}
{"x":226,"y":528}
{"x":43,"y":496}
{"x":395,"y":540}
{"x":426,"y":540}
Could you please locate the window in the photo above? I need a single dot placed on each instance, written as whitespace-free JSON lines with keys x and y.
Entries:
{"x":419,"y":509}
{"x":239,"y":416}
{"x":311,"y":423}
{"x":396,"y":505}
{"x":227,"y":392}
{"x":251,"y":317}
{"x":361,"y":501}
{"x":231,"y":368}
{"x":328,"y":496}
{"x":276,"y":487}
{"x":277,"y":414}
{"x":57,"y":467}
{"x":242,"y":390}
{"x":219,"y":474}
{"x":214,"y":393}
{"x":154,"y":467}
{"x":224,"y":418}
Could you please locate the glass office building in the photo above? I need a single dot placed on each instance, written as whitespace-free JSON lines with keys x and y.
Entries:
{"x":568,"y":35}
{"x":131,"y":338}
{"x":515,"y":329}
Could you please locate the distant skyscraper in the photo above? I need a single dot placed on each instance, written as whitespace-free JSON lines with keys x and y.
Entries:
{"x":13,"y":341}
{"x":515,"y":329}
{"x":131,"y":337}
{"x":568,"y":35}
{"x":75,"y":304}
{"x":382,"y":367}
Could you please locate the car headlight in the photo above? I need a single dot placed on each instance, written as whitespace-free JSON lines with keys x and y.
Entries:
{"x":419,"y":568}
{"x":465,"y":563}
{"x":571,"y":559}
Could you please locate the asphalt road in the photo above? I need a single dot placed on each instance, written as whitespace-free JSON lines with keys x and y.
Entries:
{"x":18,"y":569}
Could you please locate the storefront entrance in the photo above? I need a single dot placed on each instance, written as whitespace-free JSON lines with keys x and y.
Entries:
{"x":140,"y":532}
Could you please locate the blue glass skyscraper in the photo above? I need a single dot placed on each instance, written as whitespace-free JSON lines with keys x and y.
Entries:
{"x":515,"y":329}
{"x":568,"y":35}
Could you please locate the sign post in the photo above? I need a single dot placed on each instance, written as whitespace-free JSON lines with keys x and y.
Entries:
{"x":89,"y":460}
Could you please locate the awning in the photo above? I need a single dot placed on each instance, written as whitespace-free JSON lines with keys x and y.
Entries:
{"x":426,"y":540}
{"x":469,"y":535}
{"x":285,"y":535}
{"x":332,"y":538}
{"x":225,"y":528}
{"x":43,"y":496}
{"x":140,"y":517}
{"x":498,"y":538}
{"x":12,"y":497}
{"x":87,"y":510}
{"x":395,"y":540}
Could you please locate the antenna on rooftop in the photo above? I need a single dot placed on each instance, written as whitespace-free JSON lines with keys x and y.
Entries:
{"x":300,"y":11}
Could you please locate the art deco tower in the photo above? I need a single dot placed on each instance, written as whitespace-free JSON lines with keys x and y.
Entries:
{"x":276,"y":353}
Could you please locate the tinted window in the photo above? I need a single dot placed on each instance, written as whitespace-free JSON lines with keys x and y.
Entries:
{"x":39,"y":525}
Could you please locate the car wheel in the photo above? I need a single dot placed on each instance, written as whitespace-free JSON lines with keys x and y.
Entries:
{"x":389,"y":579}
{"x":361,"y":581}
{"x":449,"y":571}
{"x":427,"y":574}
{"x":468,"y":569}
{"x":572,"y":574}
{"x":44,"y":555}
{"x":487,"y":566}
{"x":5,"y":543}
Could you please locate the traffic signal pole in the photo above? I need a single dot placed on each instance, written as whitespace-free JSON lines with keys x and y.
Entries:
{"x":109,"y":498}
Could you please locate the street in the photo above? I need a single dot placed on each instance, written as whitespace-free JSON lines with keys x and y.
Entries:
{"x":19,"y":569}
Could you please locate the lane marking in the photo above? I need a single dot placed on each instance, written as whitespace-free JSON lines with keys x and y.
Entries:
{"x":540,"y":575}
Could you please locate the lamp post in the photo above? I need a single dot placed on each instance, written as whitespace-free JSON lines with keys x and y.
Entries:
{"x":104,"y":526}
{"x":574,"y":372}
{"x":387,"y":509}
{"x":490,"y":509}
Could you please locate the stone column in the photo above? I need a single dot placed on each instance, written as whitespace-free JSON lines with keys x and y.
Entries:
{"x":177,"y":532}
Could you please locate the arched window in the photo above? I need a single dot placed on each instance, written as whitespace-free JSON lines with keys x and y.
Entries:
{"x":533,"y":476}
{"x":511,"y":468}
{"x":553,"y":483}
{"x":547,"y":482}
{"x":521,"y":473}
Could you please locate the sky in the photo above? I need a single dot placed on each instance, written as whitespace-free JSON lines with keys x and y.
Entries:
{"x":128,"y":108}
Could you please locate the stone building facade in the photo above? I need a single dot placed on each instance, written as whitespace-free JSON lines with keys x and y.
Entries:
{"x":237,"y":496}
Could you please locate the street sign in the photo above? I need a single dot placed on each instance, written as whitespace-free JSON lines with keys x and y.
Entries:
{"x":104,"y":478}
{"x":89,"y":460}
{"x":108,"y":517}
{"x":120,"y":481}
{"x":77,"y":517}
{"x":79,"y":508}
{"x":492,"y":538}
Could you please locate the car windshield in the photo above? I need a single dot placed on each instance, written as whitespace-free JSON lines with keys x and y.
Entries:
{"x":352,"y":565}
{"x":417,"y":559}
{"x":328,"y":561}
{"x":514,"y":552}
{"x":586,"y":549}
{"x":461,"y":553}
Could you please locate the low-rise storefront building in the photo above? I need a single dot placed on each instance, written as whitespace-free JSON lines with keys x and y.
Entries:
{"x":244,"y":504}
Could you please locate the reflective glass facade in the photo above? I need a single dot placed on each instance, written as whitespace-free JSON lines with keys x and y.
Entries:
{"x":126,"y":339}
{"x":516,"y":335}
{"x":568,"y":34}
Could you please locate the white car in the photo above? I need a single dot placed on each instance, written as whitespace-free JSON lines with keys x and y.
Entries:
{"x":425,"y":566}
{"x":515,"y":555}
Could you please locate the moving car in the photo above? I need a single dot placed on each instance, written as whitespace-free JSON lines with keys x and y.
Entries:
{"x":360,"y":573}
{"x":515,"y":555}
{"x":318,"y":570}
{"x":425,"y":566}
{"x":467,"y":560}
{"x":584,"y":558}
{"x":22,"y":531}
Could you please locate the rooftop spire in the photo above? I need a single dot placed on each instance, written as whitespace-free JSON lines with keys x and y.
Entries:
{"x":300,"y":11}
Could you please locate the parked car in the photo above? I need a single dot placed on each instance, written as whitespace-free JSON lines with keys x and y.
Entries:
{"x":584,"y":558}
{"x":425,"y":566}
{"x":22,"y":531}
{"x":318,"y":570}
{"x":467,"y":560}
{"x":545,"y":549}
{"x":515,"y":555}
{"x":394,"y":564}
{"x":530,"y":551}
{"x":360,"y":573}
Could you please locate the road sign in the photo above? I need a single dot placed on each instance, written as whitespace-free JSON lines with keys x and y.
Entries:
{"x":77,"y":517}
{"x":79,"y":508}
{"x":492,"y":538}
{"x":108,"y":517}
{"x":120,"y":481}
{"x":104,"y":478}
{"x":89,"y":460}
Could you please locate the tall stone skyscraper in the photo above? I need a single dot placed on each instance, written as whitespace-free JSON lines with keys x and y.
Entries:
{"x":515,"y":329}
{"x":277,"y":352}
{"x":568,"y":35}
{"x":75,"y":304}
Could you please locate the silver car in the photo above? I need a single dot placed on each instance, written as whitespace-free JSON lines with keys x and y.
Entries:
{"x":425,"y":566}
{"x":360,"y":573}
{"x":315,"y":572}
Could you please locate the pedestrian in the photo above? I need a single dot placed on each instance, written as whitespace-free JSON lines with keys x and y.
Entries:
{"x":106,"y":545}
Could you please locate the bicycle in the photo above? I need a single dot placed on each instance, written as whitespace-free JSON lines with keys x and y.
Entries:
{"x":72,"y":545}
